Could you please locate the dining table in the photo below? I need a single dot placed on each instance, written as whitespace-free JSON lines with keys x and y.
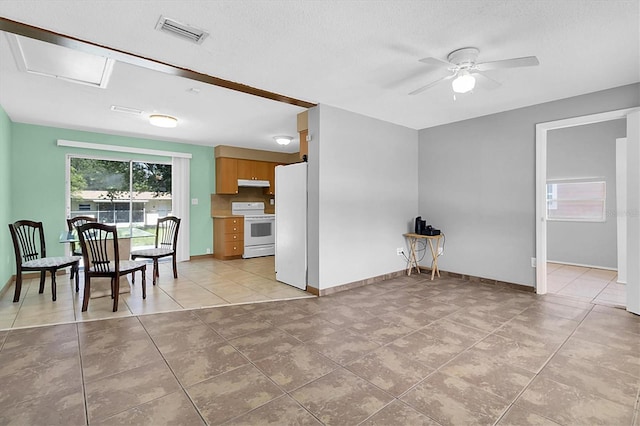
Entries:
{"x":101,"y":287}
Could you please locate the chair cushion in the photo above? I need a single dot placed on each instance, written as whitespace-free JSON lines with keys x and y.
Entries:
{"x":154,"y":252}
{"x":125,"y":266}
{"x":51,"y":262}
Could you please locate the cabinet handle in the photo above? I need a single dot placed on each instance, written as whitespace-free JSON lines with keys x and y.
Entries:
{"x":235,"y":236}
{"x":235,"y":229}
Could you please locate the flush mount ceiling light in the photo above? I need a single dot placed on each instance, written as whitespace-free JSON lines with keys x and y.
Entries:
{"x":464,"y":82}
{"x":161,"y":120}
{"x":283,"y":140}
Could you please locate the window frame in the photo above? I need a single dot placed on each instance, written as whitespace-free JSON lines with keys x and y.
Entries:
{"x":553,"y":203}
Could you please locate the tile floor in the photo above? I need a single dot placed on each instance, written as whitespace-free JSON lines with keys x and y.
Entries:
{"x":203,"y":282}
{"x":406,"y":351}
{"x":590,"y":284}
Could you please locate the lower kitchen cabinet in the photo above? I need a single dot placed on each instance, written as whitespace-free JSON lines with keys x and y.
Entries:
{"x":228,"y":237}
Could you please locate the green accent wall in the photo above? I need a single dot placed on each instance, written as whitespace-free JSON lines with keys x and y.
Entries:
{"x":37,"y":188}
{"x":7,"y":262}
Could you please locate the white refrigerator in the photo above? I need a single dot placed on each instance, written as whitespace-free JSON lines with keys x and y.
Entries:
{"x":291,"y":225}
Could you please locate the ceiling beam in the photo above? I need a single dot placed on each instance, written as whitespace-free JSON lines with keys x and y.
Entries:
{"x":52,"y":37}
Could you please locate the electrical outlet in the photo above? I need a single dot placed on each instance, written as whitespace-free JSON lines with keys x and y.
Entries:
{"x":399,"y":251}
{"x":208,"y":250}
{"x":533,"y":262}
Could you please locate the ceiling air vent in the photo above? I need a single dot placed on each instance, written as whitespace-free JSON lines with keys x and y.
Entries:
{"x":176,"y":28}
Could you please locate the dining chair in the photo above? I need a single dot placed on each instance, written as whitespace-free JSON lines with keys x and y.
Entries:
{"x":31,"y":255}
{"x":165,"y":245}
{"x":72,"y":223}
{"x":99,"y":244}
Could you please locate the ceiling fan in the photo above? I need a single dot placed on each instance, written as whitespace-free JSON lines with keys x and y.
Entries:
{"x":465,"y":69}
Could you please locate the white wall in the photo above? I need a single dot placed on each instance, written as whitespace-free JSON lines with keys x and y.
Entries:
{"x":633,"y":212}
{"x":477,"y":183}
{"x":363,"y":195}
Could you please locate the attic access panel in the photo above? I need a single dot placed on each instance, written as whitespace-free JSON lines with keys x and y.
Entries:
{"x":41,"y":58}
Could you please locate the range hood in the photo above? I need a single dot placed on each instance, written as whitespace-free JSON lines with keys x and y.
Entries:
{"x":254,"y":183}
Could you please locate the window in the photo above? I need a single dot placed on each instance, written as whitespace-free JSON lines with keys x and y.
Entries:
{"x":576,"y":200}
{"x":125,"y":193}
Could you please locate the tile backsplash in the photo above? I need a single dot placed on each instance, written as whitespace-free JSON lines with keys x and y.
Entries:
{"x":221,"y":203}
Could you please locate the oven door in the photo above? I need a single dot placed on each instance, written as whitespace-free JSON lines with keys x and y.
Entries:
{"x":259,"y":231}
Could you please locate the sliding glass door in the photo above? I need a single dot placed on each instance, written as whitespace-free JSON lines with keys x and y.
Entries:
{"x":132,"y":195}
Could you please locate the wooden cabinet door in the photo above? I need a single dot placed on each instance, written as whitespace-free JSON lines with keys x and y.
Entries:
{"x":226,"y":175}
{"x":304,"y":145}
{"x":271,"y":190}
{"x":246,"y":169}
{"x":261,"y":169}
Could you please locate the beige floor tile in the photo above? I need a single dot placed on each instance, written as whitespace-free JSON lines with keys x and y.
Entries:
{"x":452,"y":401}
{"x":341,"y":398}
{"x":570,"y":405}
{"x":389,"y":370}
{"x":585,"y":284}
{"x":233,"y":393}
{"x":320,"y":360}
{"x":280,"y":411}
{"x":30,"y":318}
{"x":172,"y":409}
{"x":119,"y":392}
{"x":517,"y":416}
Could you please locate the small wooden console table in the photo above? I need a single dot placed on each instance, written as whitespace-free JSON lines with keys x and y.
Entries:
{"x":413,"y":259}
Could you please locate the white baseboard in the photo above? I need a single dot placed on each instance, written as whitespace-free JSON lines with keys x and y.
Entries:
{"x":582,"y":265}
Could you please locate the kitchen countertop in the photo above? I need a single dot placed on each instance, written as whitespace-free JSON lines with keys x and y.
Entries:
{"x":226,"y":216}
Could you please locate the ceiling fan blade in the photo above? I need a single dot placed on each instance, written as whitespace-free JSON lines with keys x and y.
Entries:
{"x":430,"y":85}
{"x":486,"y":82}
{"x":527,"y":61}
{"x":435,"y":62}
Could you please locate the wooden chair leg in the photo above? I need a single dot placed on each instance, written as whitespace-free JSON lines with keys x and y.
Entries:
{"x":16,"y":294}
{"x":87,"y":292}
{"x":53,"y":285}
{"x":116,"y":292}
{"x":175,"y":267}
{"x":156,"y":273}
{"x":77,"y":269}
{"x":144,"y":283}
{"x":43,"y":277}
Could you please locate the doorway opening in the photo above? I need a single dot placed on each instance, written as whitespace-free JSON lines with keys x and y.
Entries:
{"x":544,"y":270}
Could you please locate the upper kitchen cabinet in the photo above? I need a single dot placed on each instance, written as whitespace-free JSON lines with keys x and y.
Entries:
{"x":233,"y":163}
{"x":271,"y":190}
{"x":226,"y":175}
{"x":253,"y":170}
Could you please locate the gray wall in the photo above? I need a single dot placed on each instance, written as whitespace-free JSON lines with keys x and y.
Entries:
{"x":477,"y":183}
{"x":363,"y":193}
{"x":585,"y":152}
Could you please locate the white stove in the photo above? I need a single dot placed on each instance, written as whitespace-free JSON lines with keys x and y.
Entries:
{"x":259,"y":229}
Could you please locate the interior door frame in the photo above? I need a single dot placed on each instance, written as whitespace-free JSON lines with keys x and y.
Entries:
{"x":541,"y":181}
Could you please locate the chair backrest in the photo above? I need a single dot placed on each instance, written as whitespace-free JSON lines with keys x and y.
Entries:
{"x":28,"y":240}
{"x":74,"y":222}
{"x":99,"y":243}
{"x":167,"y":232}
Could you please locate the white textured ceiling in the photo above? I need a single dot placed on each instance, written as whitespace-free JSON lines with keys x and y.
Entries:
{"x":361,"y":56}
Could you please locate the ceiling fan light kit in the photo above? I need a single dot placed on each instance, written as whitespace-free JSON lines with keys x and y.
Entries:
{"x":464,"y":82}
{"x":465,"y":68}
{"x":161,"y":120}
